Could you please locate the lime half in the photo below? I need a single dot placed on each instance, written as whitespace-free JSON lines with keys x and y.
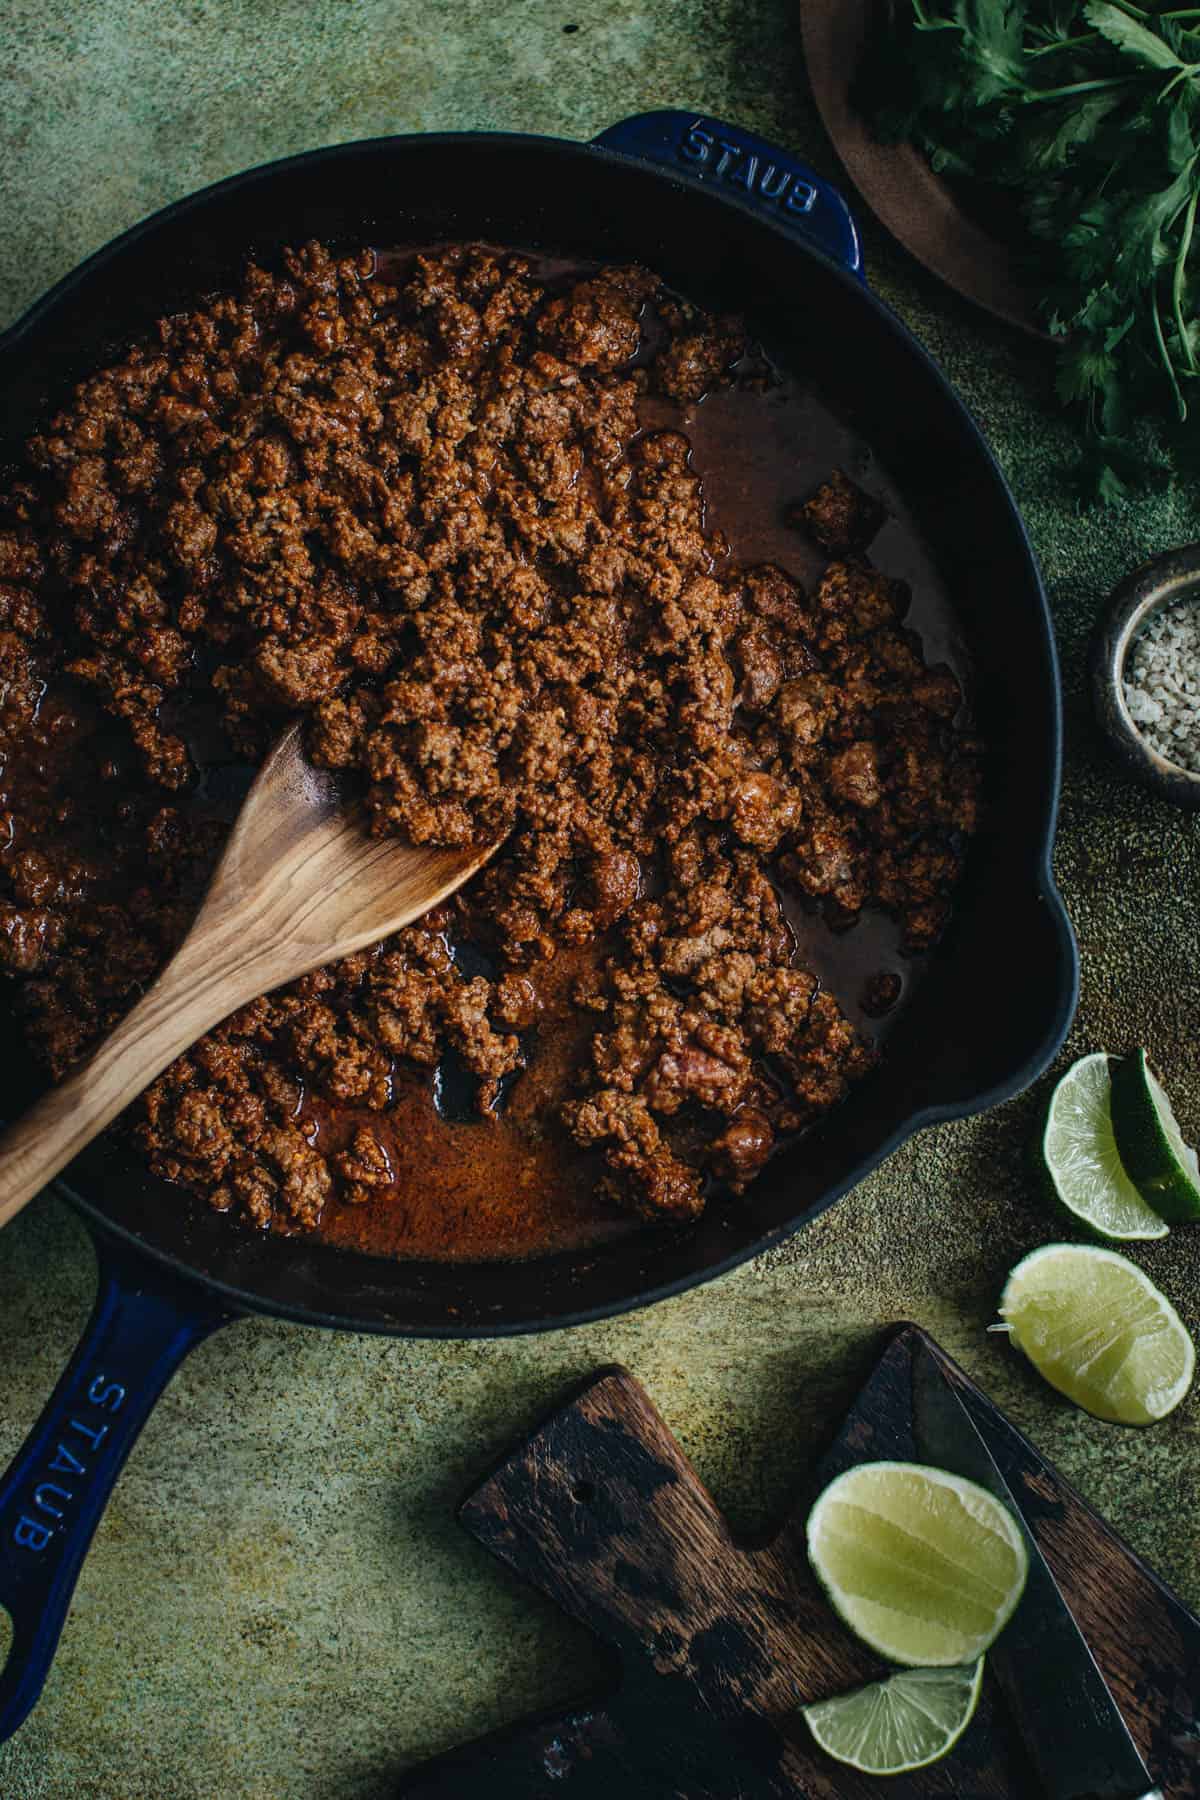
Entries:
{"x":906,"y":1722}
{"x":924,"y":1567}
{"x":1151,"y":1143}
{"x":1086,"y":1169}
{"x":1100,"y":1332}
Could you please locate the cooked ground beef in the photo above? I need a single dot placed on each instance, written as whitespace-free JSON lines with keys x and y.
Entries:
{"x":422,"y":513}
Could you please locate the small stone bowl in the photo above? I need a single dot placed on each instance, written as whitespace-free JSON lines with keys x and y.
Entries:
{"x":1158,"y":583}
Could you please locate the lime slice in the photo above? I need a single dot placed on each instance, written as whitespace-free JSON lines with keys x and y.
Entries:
{"x":1151,"y":1143}
{"x":925,"y":1567}
{"x":1100,"y":1332}
{"x":1085,"y":1168}
{"x":906,"y":1722}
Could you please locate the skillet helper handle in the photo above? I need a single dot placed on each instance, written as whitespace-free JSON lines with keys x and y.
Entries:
{"x":747,"y":169}
{"x":51,"y":1499}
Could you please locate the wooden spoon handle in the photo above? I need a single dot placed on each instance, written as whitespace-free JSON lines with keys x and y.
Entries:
{"x":187,"y":1000}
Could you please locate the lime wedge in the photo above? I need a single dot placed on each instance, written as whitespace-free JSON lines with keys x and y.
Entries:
{"x":906,"y":1722}
{"x":1151,"y":1143}
{"x":1100,"y":1332}
{"x":1085,"y":1168}
{"x":924,"y":1567}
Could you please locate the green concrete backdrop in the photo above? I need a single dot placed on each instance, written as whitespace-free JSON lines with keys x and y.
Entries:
{"x":278,"y":1605}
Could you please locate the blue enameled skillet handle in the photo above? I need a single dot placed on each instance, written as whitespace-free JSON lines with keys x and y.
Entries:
{"x":747,"y":169}
{"x":51,"y":1499}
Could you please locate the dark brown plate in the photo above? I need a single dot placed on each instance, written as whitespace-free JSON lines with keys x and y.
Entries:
{"x":895,"y":180}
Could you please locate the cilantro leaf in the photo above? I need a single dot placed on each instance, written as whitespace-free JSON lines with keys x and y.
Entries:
{"x":1076,"y":124}
{"x":1130,"y":35}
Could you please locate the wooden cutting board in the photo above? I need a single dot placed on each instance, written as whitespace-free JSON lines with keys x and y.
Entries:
{"x":720,"y":1644}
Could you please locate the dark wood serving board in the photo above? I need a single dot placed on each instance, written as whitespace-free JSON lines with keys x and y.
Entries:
{"x":720,"y":1645}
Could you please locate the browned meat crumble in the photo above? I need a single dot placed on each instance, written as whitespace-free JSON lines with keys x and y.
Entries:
{"x":423,"y":515}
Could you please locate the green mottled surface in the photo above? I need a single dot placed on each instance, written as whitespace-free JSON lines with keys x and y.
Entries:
{"x":279,"y":1605}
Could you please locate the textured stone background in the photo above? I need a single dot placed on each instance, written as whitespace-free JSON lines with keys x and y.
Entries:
{"x":279,"y":1605}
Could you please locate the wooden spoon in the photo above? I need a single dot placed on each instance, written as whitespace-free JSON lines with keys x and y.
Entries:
{"x":300,"y":884}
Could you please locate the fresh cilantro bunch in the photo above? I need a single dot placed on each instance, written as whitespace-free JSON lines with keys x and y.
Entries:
{"x":1080,"y":125}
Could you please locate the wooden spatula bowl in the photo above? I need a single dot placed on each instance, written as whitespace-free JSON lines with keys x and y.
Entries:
{"x":301,"y":883}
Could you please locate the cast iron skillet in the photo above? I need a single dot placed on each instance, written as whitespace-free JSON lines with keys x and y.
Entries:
{"x":729,"y":220}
